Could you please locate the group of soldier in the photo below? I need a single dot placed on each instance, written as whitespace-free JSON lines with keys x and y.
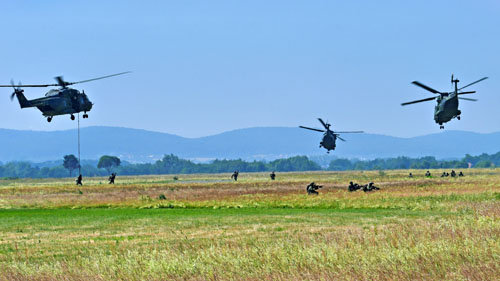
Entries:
{"x":452,"y":174}
{"x":366,"y":187}
{"x":312,"y":188}
{"x":444,"y":174}
{"x":111,"y":179}
{"x":235,"y":175}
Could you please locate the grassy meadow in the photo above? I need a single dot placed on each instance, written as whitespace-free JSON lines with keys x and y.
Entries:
{"x":206,"y":227}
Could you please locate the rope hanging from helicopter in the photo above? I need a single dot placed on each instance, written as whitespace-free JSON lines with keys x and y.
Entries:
{"x":79,"y":163}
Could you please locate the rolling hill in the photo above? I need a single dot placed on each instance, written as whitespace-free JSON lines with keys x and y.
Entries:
{"x":136,"y":145}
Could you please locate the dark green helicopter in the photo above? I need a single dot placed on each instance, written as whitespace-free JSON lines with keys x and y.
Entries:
{"x":329,"y":137}
{"x":57,"y":101}
{"x":447,"y":102}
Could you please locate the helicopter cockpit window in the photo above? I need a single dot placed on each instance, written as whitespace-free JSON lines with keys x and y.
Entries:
{"x":52,"y":92}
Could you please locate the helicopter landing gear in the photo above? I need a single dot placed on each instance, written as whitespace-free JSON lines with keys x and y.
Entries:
{"x":49,"y":119}
{"x":85,"y":115}
{"x":458,"y":117}
{"x":72,"y":117}
{"x":441,"y":127}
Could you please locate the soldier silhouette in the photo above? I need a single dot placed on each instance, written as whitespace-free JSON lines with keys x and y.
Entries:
{"x":79,"y":180}
{"x":112,"y":178}
{"x":312,"y":187}
{"x":370,"y":187}
{"x":353,"y":186}
{"x":272,"y":175}
{"x":235,"y":175}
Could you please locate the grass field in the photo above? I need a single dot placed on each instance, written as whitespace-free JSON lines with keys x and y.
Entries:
{"x":209,"y":228}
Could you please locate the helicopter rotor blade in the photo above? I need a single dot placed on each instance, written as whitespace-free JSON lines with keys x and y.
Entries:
{"x":468,"y":99}
{"x":37,"y":86}
{"x":425,"y":87}
{"x":98,"y":78}
{"x":63,"y":83}
{"x":323,"y":123}
{"x":466,"y":93}
{"x":417,"y":101}
{"x":340,"y":138}
{"x":313,"y":129}
{"x":484,"y":78}
{"x":350,"y":132}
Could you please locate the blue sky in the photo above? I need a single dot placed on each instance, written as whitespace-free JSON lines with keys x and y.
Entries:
{"x":204,"y":67}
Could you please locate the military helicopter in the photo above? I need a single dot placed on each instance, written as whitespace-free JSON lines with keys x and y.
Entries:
{"x":447,"y":102}
{"x":329,"y":136}
{"x":57,"y":101}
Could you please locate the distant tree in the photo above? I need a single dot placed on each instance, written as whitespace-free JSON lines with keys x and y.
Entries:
{"x":108,"y":162}
{"x":70,"y":163}
{"x":484,"y":164}
{"x":340,"y":165}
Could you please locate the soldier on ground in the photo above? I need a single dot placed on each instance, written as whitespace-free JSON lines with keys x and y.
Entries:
{"x":370,"y":187}
{"x":453,"y":174}
{"x":112,"y":178}
{"x":460,"y":174}
{"x":235,"y":175}
{"x":410,"y":175}
{"x":312,"y":187}
{"x":428,"y":174}
{"x":272,"y":175}
{"x":79,"y":180}
{"x":353,"y":186}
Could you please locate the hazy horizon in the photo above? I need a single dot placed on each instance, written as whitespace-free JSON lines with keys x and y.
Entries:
{"x":231,"y":130}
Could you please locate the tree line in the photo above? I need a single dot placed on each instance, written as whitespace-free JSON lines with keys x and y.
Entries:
{"x":171,"y":164}
{"x":481,"y":161}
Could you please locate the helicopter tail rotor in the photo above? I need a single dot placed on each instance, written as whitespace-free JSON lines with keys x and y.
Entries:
{"x":17,"y":89}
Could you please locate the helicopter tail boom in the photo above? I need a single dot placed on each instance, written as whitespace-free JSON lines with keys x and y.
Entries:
{"x":23,"y":101}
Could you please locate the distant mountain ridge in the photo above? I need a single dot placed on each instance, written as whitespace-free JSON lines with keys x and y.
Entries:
{"x":267,"y":143}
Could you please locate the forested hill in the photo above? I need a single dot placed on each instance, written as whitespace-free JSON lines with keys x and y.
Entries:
{"x":135,"y":145}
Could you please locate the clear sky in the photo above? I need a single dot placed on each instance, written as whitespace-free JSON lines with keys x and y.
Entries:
{"x":204,"y":67}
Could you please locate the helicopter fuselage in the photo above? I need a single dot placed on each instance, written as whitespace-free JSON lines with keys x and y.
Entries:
{"x":328,"y":141}
{"x":58,"y":102}
{"x":446,"y":108}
